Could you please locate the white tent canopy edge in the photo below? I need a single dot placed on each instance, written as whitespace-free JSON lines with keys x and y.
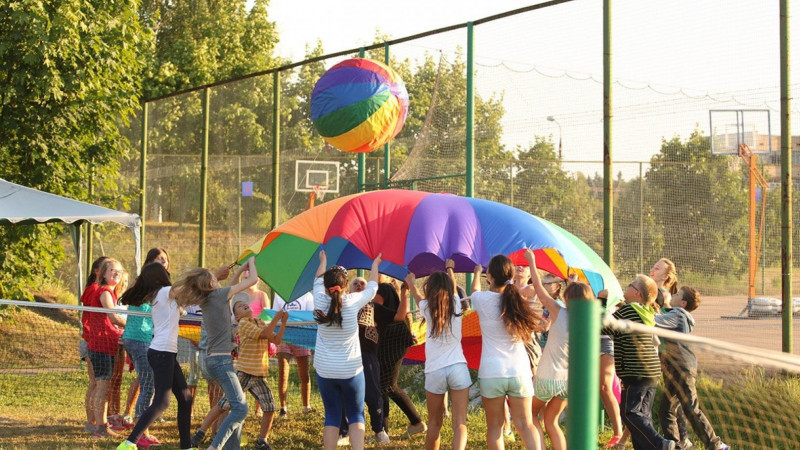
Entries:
{"x":25,"y":206}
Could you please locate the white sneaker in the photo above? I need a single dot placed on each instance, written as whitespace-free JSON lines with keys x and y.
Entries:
{"x":382,"y":437}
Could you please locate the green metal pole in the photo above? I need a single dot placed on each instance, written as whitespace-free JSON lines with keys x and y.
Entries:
{"x":608,"y":177}
{"x":143,"y":172}
{"x":201,"y":256}
{"x":276,"y":147}
{"x":89,"y":226}
{"x":583,"y":384}
{"x":641,"y":220}
{"x":470,"y":144}
{"x":470,"y":110}
{"x":362,"y":158}
{"x":386,"y":154}
{"x":786,"y":180}
{"x":239,"y":205}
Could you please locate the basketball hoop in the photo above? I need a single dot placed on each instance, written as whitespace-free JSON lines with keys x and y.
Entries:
{"x":318,"y":192}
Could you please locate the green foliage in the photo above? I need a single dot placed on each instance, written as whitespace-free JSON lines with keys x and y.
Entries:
{"x":553,"y":194}
{"x":70,"y":76}
{"x":703,"y":190}
{"x":198,"y":42}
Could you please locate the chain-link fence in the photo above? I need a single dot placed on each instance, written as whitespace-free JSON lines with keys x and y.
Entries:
{"x":538,"y":138}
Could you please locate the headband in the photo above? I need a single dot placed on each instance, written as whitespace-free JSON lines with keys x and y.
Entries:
{"x":338,"y":269}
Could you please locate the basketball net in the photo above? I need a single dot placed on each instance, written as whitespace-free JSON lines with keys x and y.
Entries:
{"x":317,"y":193}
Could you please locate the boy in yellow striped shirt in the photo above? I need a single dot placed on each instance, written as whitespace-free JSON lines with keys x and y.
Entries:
{"x":252,"y":366}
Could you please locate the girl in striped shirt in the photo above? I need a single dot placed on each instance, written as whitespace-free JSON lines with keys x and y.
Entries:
{"x":340,"y":375}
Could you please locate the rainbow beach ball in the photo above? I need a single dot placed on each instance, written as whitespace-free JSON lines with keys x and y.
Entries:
{"x":359,"y":105}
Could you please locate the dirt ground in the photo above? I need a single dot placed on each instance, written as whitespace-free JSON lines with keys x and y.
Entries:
{"x":763,"y":332}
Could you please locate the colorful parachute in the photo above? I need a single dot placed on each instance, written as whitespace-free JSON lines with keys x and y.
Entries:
{"x":359,"y":105}
{"x":417,"y":231}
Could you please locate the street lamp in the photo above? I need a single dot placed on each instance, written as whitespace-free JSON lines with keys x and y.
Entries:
{"x":553,"y":119}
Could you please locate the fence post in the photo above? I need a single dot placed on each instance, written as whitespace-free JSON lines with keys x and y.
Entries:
{"x":641,"y":219}
{"x":143,"y":172}
{"x":386,"y":148}
{"x":584,"y":365}
{"x":201,"y":256}
{"x":470,"y":132}
{"x":276,"y":147}
{"x":362,"y":158}
{"x":786,"y":179}
{"x":608,"y":175}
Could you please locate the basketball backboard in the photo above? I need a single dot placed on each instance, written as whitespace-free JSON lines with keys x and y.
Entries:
{"x":324,"y":175}
{"x":729,"y":128}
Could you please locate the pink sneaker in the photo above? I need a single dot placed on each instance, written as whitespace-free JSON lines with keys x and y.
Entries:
{"x":154,"y":441}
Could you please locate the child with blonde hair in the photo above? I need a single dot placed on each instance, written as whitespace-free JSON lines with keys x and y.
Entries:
{"x":104,"y":331}
{"x":200,"y":287}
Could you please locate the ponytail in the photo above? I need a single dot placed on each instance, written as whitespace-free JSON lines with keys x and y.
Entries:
{"x":334,"y":279}
{"x":520,"y":320}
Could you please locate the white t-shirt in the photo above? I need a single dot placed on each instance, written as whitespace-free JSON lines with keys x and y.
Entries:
{"x":338,"y":351}
{"x":166,"y":315}
{"x":303,"y":303}
{"x":501,"y":357}
{"x":554,"y":364}
{"x":443,"y":350}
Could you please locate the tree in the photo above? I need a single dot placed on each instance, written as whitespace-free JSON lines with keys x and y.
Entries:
{"x":543,"y":188}
{"x":70,"y":74}
{"x":199,"y":42}
{"x":704,"y":191}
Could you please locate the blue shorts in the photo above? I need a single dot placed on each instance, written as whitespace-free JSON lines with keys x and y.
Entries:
{"x":102,"y":365}
{"x":455,"y":377}
{"x":338,"y":393}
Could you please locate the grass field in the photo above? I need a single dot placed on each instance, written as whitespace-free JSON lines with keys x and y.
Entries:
{"x":42,"y":387}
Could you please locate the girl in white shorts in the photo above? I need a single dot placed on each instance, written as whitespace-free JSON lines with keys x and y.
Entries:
{"x":551,"y":378}
{"x":507,"y":321}
{"x":445,"y":364}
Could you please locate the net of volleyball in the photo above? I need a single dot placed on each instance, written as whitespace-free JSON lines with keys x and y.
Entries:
{"x":46,"y":344}
{"x":746,"y":394}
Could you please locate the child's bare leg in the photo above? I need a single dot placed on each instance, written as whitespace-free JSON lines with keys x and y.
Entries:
{"x":460,"y":403}
{"x":192,"y":390}
{"x":550,"y":417}
{"x":133,"y":394}
{"x":305,"y":380}
{"x":266,"y":424}
{"x":115,"y":387}
{"x":283,"y":378}
{"x":212,"y":416}
{"x":100,"y":402}
{"x":90,"y":390}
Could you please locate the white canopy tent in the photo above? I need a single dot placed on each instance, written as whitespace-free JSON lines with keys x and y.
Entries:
{"x":26,"y":206}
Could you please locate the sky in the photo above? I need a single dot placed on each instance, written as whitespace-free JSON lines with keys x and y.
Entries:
{"x":346,"y":24}
{"x":674,"y":61}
